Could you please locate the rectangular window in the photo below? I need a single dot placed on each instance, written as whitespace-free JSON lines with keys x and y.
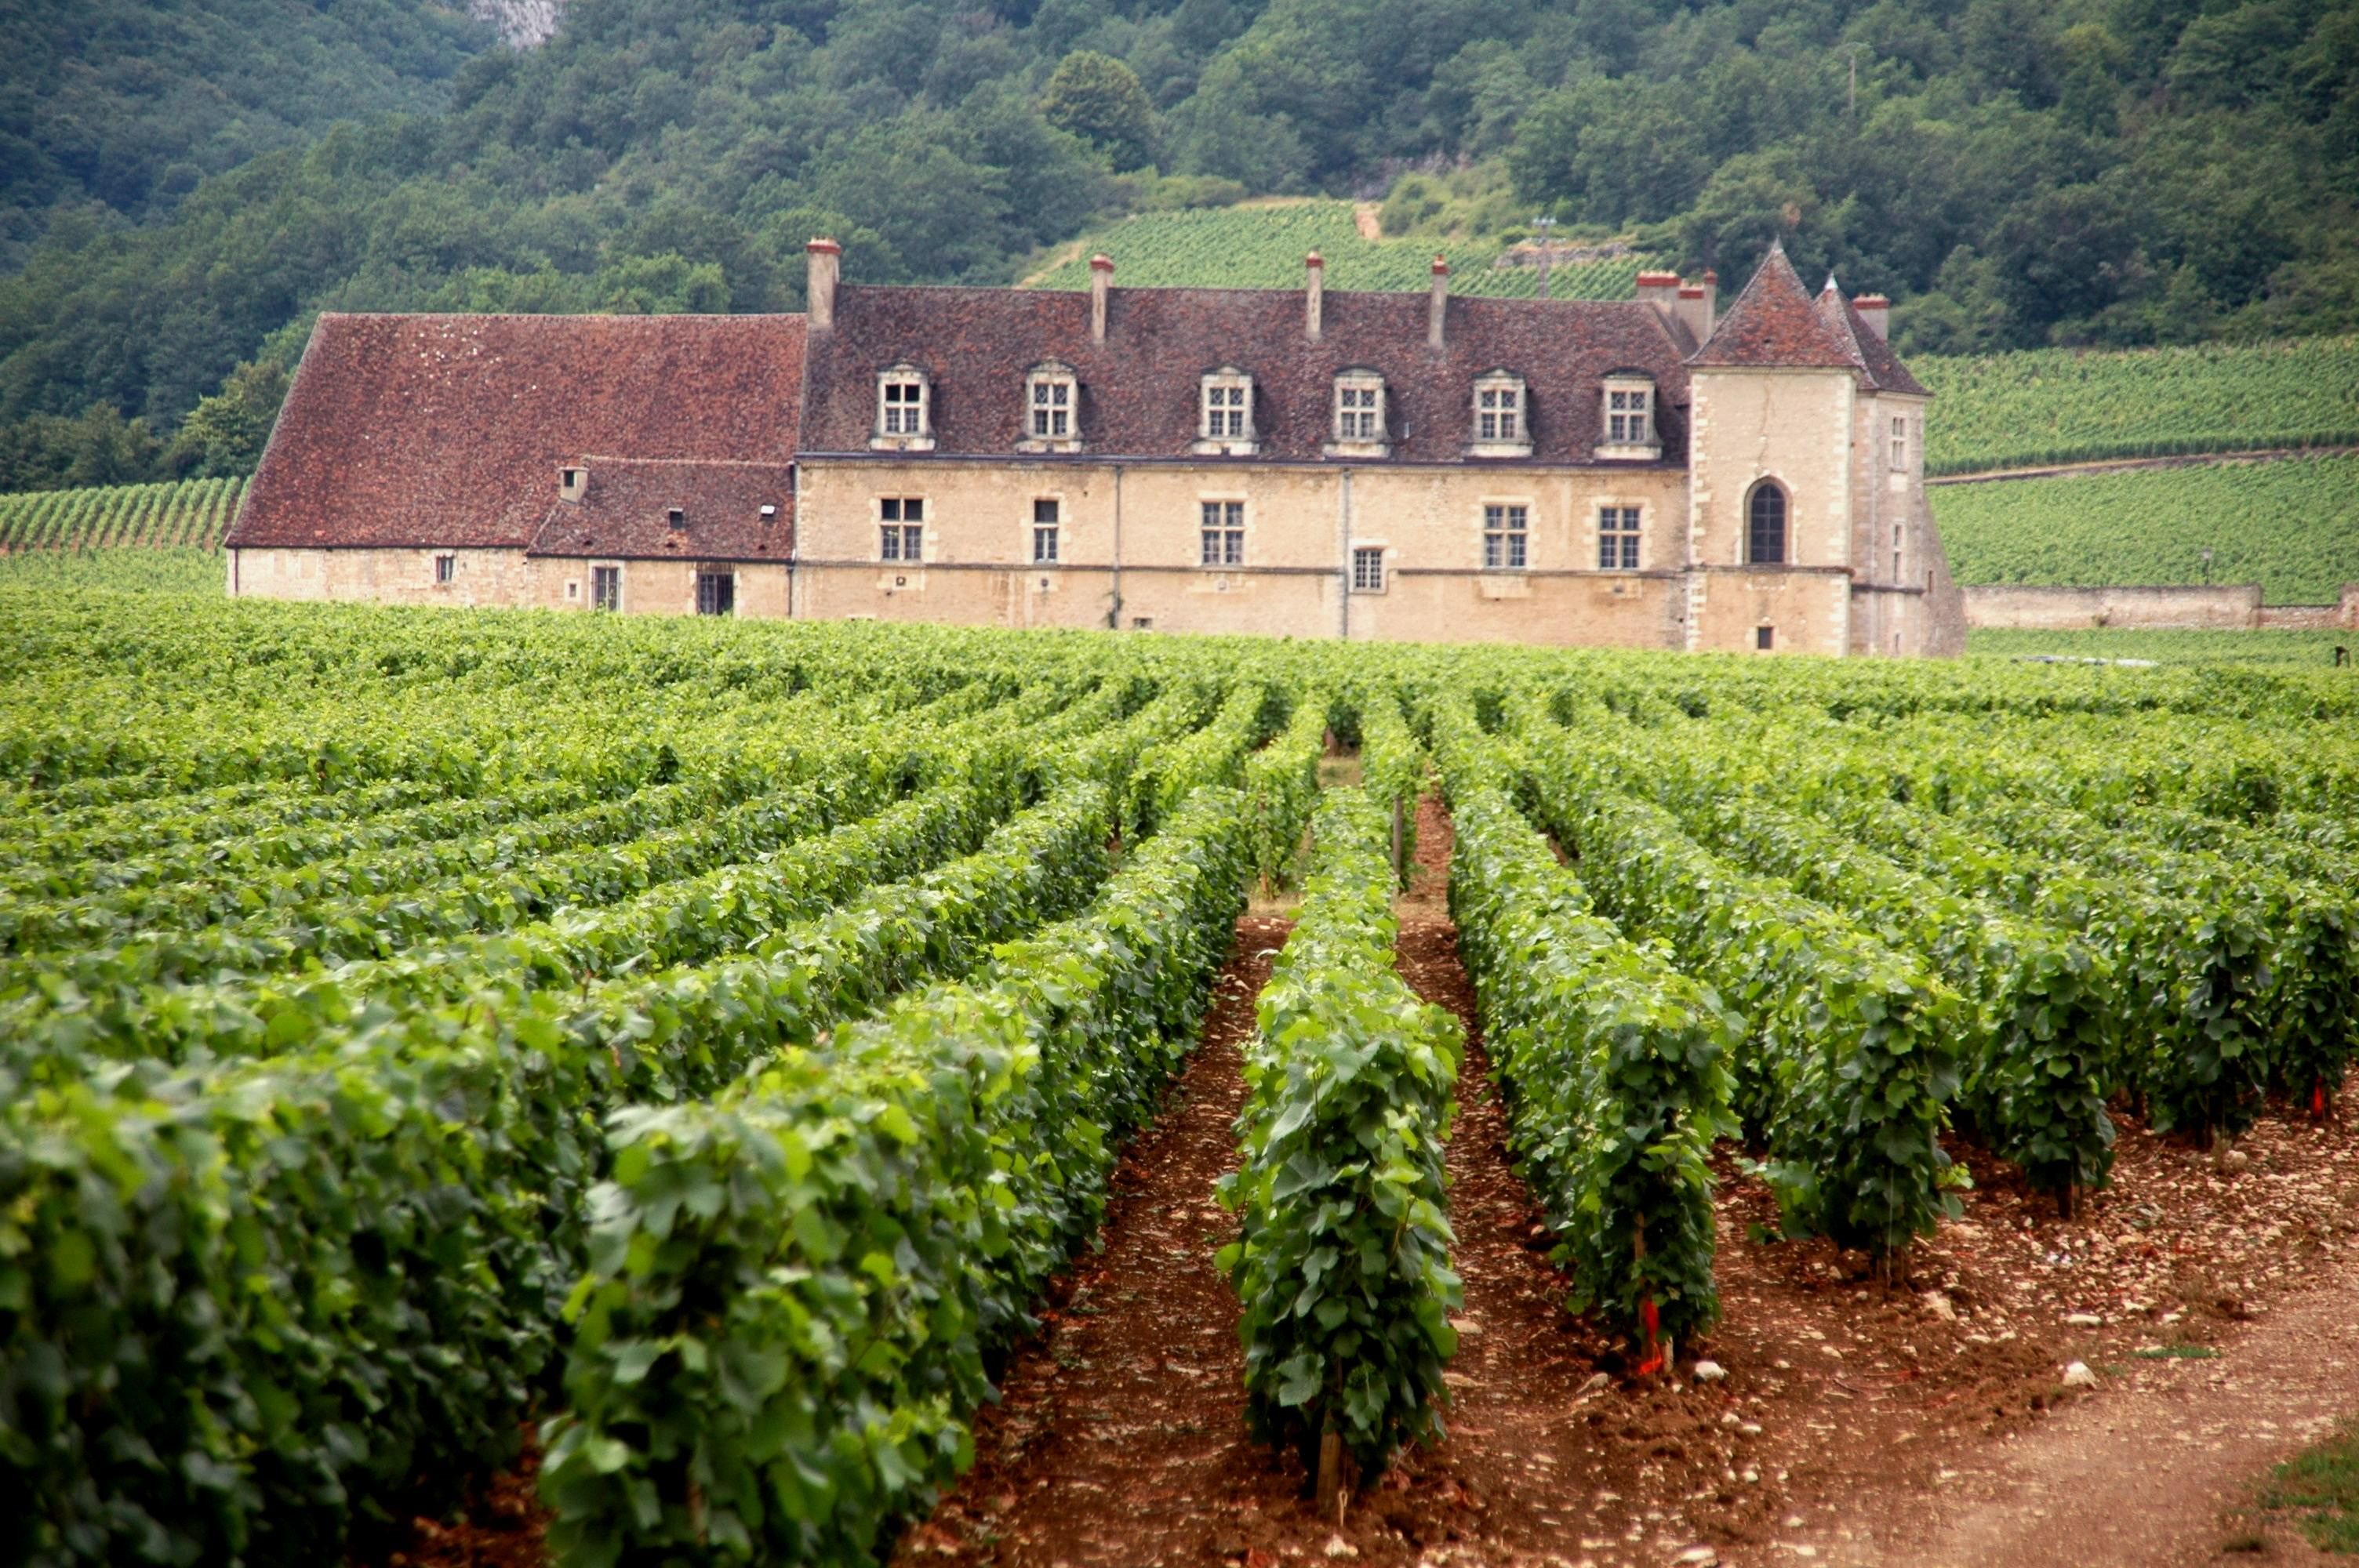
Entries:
{"x":1625,"y":418}
{"x":1045,"y":515}
{"x":1053,"y":409}
{"x":1498,"y":414}
{"x":1355,"y":413}
{"x":1368,"y":570}
{"x":446,"y":569}
{"x":905,"y":408}
{"x":1763,"y":636}
{"x":1224,"y":411}
{"x":606,"y":588}
{"x":716,"y":593}
{"x":1505,"y":530}
{"x":1224,"y":533}
{"x":1900,"y":443}
{"x":1617,"y":538}
{"x":901,"y":535}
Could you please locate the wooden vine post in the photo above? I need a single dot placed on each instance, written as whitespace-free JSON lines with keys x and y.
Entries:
{"x":1400,"y":826}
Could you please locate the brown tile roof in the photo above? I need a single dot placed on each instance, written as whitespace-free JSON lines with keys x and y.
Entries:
{"x":626,"y":506}
{"x":1773,"y":323}
{"x":1139,"y":389}
{"x":1878,"y":365}
{"x":449,"y":429}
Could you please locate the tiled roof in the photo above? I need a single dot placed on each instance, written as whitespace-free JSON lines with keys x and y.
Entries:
{"x":625,"y":512}
{"x":1139,"y":389}
{"x":1873,"y":356}
{"x":1773,"y":323}
{"x":449,"y":429}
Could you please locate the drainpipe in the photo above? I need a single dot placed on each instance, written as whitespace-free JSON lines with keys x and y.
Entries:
{"x":1344,"y":575}
{"x":1114,"y":614}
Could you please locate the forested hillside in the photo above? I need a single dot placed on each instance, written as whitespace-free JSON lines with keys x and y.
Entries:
{"x":2018,"y":174}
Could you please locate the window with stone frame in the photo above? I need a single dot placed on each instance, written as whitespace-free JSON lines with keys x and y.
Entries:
{"x":1629,"y":414}
{"x":1051,"y":404}
{"x":1499,"y":410}
{"x":1047,"y":519}
{"x":446,"y":570}
{"x":1359,"y":408}
{"x":901,"y":528}
{"x":1506,"y":536}
{"x":1368,"y":568}
{"x":904,"y":401}
{"x":606,"y":588}
{"x":1617,"y":538}
{"x":1228,"y":407}
{"x":1221,"y":536}
{"x":1899,"y":442}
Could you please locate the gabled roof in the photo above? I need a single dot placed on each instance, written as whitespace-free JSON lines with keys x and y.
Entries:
{"x":1877,"y":364}
{"x":1140,"y":388}
{"x":449,"y":430}
{"x":626,"y":506}
{"x":1774,"y":324}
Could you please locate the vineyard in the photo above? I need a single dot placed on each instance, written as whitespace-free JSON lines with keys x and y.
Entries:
{"x":701,"y":1050}
{"x":2292,"y":526}
{"x":192,"y":513}
{"x":1263,"y":247}
{"x":2068,"y":406}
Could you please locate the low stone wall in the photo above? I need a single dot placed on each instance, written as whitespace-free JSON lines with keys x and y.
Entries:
{"x":2222,"y":606}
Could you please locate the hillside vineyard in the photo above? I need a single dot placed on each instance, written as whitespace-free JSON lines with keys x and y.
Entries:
{"x":1645,"y":473}
{"x":713,"y":1037}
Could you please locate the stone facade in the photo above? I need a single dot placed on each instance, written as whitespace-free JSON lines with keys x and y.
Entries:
{"x":1419,"y":526}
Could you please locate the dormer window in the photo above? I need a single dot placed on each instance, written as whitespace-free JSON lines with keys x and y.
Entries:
{"x":904,"y":411}
{"x":1626,"y":422}
{"x":1227,"y":425}
{"x":1052,"y":410}
{"x":1501,"y":427}
{"x":1359,"y":417}
{"x":675,"y":517}
{"x":571,"y":482}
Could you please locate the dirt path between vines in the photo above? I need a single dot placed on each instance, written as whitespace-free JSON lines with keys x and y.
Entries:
{"x":2158,"y":1472}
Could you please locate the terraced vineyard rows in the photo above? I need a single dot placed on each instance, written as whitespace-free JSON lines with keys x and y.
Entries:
{"x":1263,"y":247}
{"x":2065,"y":405}
{"x":2292,"y":526}
{"x":711,"y":1041}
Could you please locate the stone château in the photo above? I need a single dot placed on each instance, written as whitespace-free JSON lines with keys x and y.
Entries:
{"x":1646,"y":473}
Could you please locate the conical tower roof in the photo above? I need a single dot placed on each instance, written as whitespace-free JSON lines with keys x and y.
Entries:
{"x":1869,"y":352}
{"x":1773,"y":323}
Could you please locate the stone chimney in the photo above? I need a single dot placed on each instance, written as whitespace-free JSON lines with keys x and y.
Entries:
{"x":1314,"y":294}
{"x":819,"y":298}
{"x":1877,"y":311}
{"x":1694,"y":309}
{"x":1101,"y":294}
{"x":1439,"y":310}
{"x":1659,"y":290}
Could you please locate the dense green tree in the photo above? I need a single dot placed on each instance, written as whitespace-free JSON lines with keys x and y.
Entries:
{"x":225,"y":433}
{"x":1100,"y":100}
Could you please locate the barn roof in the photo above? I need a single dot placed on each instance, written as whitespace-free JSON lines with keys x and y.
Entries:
{"x":420,"y":430}
{"x":1139,"y":389}
{"x":624,"y":511}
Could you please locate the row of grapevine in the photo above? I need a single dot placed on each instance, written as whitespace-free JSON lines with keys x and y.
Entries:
{"x":2291,"y":526}
{"x":1343,"y":1261}
{"x":1615,"y":1066}
{"x":187,"y":514}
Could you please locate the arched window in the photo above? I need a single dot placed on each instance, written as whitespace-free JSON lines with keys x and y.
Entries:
{"x":1764,"y":525}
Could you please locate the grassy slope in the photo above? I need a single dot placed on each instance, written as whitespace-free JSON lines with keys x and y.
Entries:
{"x":2292,"y":526}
